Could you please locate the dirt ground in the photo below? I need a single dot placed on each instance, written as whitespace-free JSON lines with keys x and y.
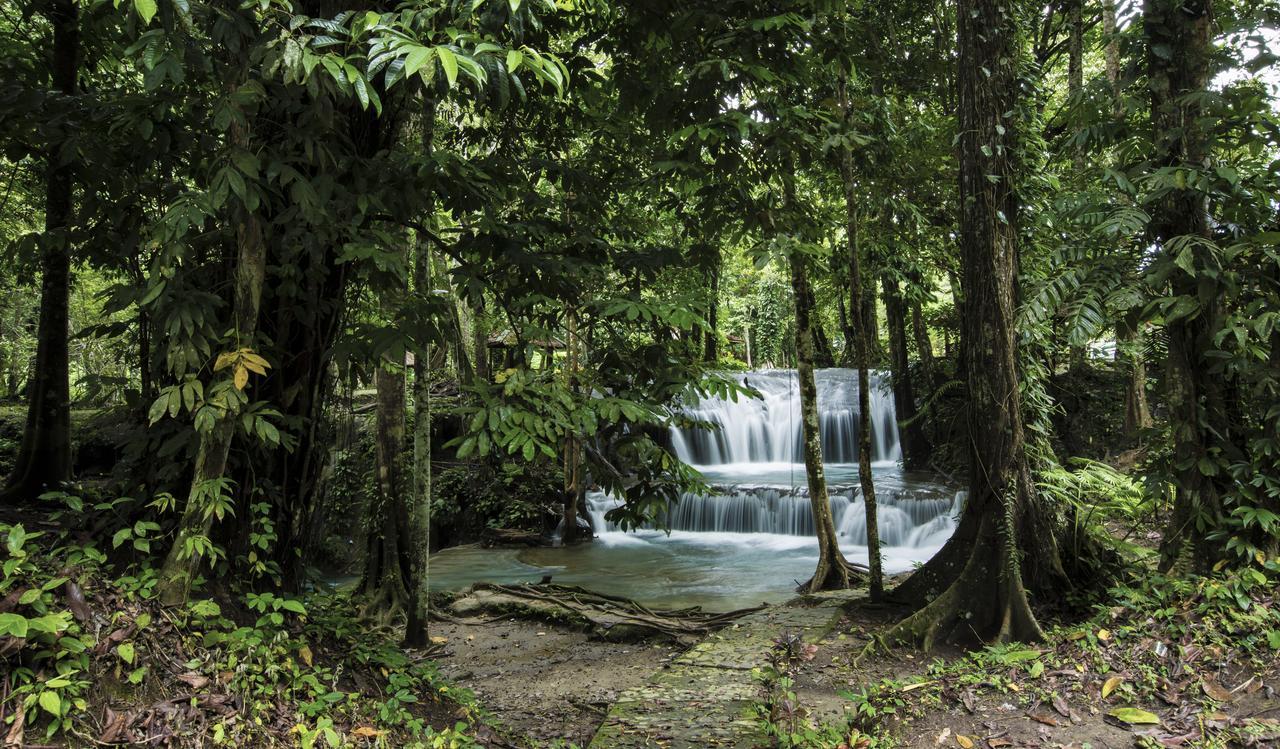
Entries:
{"x":1061,"y":708}
{"x":542,"y":681}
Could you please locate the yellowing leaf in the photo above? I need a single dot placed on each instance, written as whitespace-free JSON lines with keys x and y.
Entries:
{"x":241,"y":377}
{"x":964,"y":741}
{"x":1134,"y":716}
{"x":52,"y":703}
{"x":367,"y":732}
{"x":439,"y":640}
{"x":304,"y":653}
{"x":225,"y":359}
{"x":1110,"y":685}
{"x":1104,"y":634}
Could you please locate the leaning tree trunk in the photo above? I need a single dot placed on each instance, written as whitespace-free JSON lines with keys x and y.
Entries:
{"x":44,"y":457}
{"x":857,"y":330}
{"x":1179,"y":48}
{"x":1006,"y":541}
{"x":915,"y":447}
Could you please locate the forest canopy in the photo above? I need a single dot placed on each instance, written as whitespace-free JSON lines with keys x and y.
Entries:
{"x":300,"y":290}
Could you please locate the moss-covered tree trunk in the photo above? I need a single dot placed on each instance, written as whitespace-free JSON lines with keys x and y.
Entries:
{"x":43,"y":461}
{"x":1179,"y":47}
{"x":416,"y":633}
{"x":977,"y":586}
{"x":861,"y":335}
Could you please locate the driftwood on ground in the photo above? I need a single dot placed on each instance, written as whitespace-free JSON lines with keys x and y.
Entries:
{"x":608,"y":617}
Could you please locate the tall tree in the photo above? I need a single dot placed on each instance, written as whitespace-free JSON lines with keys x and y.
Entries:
{"x":44,"y":456}
{"x":861,"y":337}
{"x":1005,"y":542}
{"x":1179,"y":47}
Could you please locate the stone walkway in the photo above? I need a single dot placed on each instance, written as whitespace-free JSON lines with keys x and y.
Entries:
{"x":704,"y":697}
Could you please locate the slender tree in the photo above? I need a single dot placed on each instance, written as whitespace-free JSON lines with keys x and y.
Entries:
{"x":417,"y":632}
{"x":44,"y":456}
{"x":861,"y":335}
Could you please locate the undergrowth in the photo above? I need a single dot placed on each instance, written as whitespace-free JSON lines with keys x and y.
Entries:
{"x":90,"y":657}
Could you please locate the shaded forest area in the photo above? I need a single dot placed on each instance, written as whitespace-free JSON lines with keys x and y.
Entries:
{"x":297,"y":294}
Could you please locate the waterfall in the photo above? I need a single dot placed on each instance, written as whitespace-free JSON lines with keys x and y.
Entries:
{"x":767,"y":430}
{"x":910,"y":517}
{"x":752,"y":457}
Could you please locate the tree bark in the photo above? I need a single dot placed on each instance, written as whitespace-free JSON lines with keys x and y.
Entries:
{"x":833,"y":571}
{"x":416,"y":633}
{"x":1006,"y":542}
{"x":915,"y":447}
{"x":388,"y":571}
{"x":858,"y":333}
{"x":43,"y":461}
{"x":182,"y":563}
{"x":573,"y":443}
{"x":1137,"y":413}
{"x":711,"y":344}
{"x":1179,"y":47}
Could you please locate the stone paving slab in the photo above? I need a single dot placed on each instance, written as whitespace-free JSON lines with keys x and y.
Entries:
{"x":704,"y":698}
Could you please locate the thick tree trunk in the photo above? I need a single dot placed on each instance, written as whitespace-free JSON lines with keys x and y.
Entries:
{"x":857,"y":333}
{"x":43,"y":461}
{"x":1006,"y":541}
{"x":1111,"y":50}
{"x":1179,"y":47}
{"x":915,"y":447}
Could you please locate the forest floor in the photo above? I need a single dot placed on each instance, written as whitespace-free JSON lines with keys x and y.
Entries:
{"x":1119,"y":679}
{"x":541,"y":680}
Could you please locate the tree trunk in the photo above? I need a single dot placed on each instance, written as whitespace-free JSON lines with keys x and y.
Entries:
{"x":1179,"y":47}
{"x":573,"y":443}
{"x":416,"y":633}
{"x":915,"y":447}
{"x":1006,"y":539}
{"x":1137,"y":414}
{"x":43,"y":461}
{"x":860,"y":336}
{"x":183,"y":560}
{"x":480,"y":342}
{"x":924,"y":346}
{"x":833,"y":571}
{"x":1112,"y":49}
{"x":711,"y":350}
{"x":388,"y":572}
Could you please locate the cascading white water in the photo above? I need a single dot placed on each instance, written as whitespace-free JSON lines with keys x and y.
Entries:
{"x":752,"y":457}
{"x":767,"y":429}
{"x":909,"y":517}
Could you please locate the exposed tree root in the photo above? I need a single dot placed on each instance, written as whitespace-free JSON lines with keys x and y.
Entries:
{"x":837,"y":574}
{"x":972,"y":609}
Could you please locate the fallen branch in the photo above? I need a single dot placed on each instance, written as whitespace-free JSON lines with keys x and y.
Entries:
{"x":606,"y":616}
